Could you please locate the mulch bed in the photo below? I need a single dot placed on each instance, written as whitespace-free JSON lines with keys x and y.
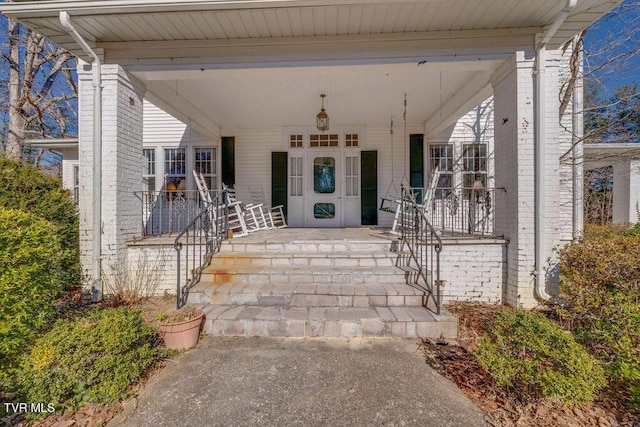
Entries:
{"x":506,"y":407}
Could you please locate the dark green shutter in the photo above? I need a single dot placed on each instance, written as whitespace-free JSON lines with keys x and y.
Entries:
{"x":369,"y":188}
{"x":416,"y":163}
{"x":279,"y":179}
{"x":228,"y":160}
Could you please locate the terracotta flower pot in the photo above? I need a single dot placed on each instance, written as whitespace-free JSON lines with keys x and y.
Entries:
{"x":184,"y":334}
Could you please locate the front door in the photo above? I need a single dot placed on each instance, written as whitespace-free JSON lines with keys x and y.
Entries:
{"x":324,"y":189}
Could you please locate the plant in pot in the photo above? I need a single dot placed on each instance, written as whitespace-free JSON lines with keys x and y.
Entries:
{"x":180,"y":329}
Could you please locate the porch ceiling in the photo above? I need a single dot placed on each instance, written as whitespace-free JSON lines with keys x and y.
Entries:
{"x":439,"y":52}
{"x":132,"y":29}
{"x":356,"y":95}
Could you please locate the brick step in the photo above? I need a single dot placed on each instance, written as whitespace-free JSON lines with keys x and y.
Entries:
{"x":320,"y":259}
{"x":349,"y":322}
{"x":308,"y":295}
{"x":301,"y":274}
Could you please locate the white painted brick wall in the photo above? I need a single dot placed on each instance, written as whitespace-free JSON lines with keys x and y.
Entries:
{"x":163,"y":260}
{"x":122,"y":104}
{"x":474,"y":271}
{"x":514,"y":171}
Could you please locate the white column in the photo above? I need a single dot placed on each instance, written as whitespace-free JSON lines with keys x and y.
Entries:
{"x":626,"y":191}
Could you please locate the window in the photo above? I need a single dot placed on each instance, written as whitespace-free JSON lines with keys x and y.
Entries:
{"x":351,"y":140}
{"x":352,"y":175}
{"x":296,"y":176}
{"x":323,"y":140}
{"x":205,"y":164}
{"x":474,"y":162}
{"x":441,"y":157}
{"x":76,"y":183}
{"x":175,"y":167}
{"x":324,"y":175}
{"x":296,"y":141}
{"x":149,"y":172}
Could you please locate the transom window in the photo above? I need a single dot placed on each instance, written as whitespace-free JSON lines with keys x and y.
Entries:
{"x":351,"y":140}
{"x":323,"y":140}
{"x":296,"y":141}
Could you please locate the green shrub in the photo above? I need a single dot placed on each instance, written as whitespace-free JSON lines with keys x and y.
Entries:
{"x":26,"y":188}
{"x":600,"y":283}
{"x":93,"y":358}
{"x":31,"y":278}
{"x":532,"y":354}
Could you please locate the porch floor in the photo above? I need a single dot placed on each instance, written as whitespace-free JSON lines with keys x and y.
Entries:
{"x":312,"y":283}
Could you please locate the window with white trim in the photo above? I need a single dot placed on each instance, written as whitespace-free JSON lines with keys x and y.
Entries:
{"x":76,"y":183}
{"x":351,"y":177}
{"x":474,"y":165}
{"x":296,"y":176}
{"x":149,"y":172}
{"x":351,"y":140}
{"x":205,"y":164}
{"x":441,"y":157}
{"x":175,"y":167}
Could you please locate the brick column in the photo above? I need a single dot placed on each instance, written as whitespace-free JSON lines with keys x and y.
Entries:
{"x":122,"y":108}
{"x":513,"y":85}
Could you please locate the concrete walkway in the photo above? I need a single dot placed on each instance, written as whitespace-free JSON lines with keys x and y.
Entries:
{"x":301,"y":382}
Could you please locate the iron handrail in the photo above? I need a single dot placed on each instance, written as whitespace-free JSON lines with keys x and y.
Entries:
{"x":208,"y":229}
{"x":424,"y":246}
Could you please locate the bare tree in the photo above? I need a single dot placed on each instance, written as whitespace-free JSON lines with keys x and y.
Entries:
{"x":41,"y":90}
{"x":609,"y":79}
{"x":611,"y":52}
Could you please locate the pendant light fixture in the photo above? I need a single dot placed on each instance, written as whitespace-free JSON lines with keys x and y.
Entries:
{"x":322,"y":119}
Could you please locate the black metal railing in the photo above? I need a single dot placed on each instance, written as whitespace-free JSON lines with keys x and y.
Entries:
{"x":201,"y":239}
{"x":462,"y":211}
{"x":169,"y":211}
{"x":422,"y":246}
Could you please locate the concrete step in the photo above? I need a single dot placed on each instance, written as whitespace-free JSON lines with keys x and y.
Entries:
{"x":271,"y":284}
{"x":349,"y":322}
{"x":251,"y":274}
{"x":325,"y":259}
{"x":308,"y":294}
{"x":305,"y":246}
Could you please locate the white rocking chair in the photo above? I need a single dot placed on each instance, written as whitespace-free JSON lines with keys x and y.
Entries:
{"x":273,"y":215}
{"x":253,"y":215}
{"x":205,"y":196}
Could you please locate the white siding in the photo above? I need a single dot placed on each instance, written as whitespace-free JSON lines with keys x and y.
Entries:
{"x":475,"y":127}
{"x":253,"y":147}
{"x":393,"y":160}
{"x":161,"y":130}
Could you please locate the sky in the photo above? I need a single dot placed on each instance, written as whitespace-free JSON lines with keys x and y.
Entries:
{"x":615,"y":40}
